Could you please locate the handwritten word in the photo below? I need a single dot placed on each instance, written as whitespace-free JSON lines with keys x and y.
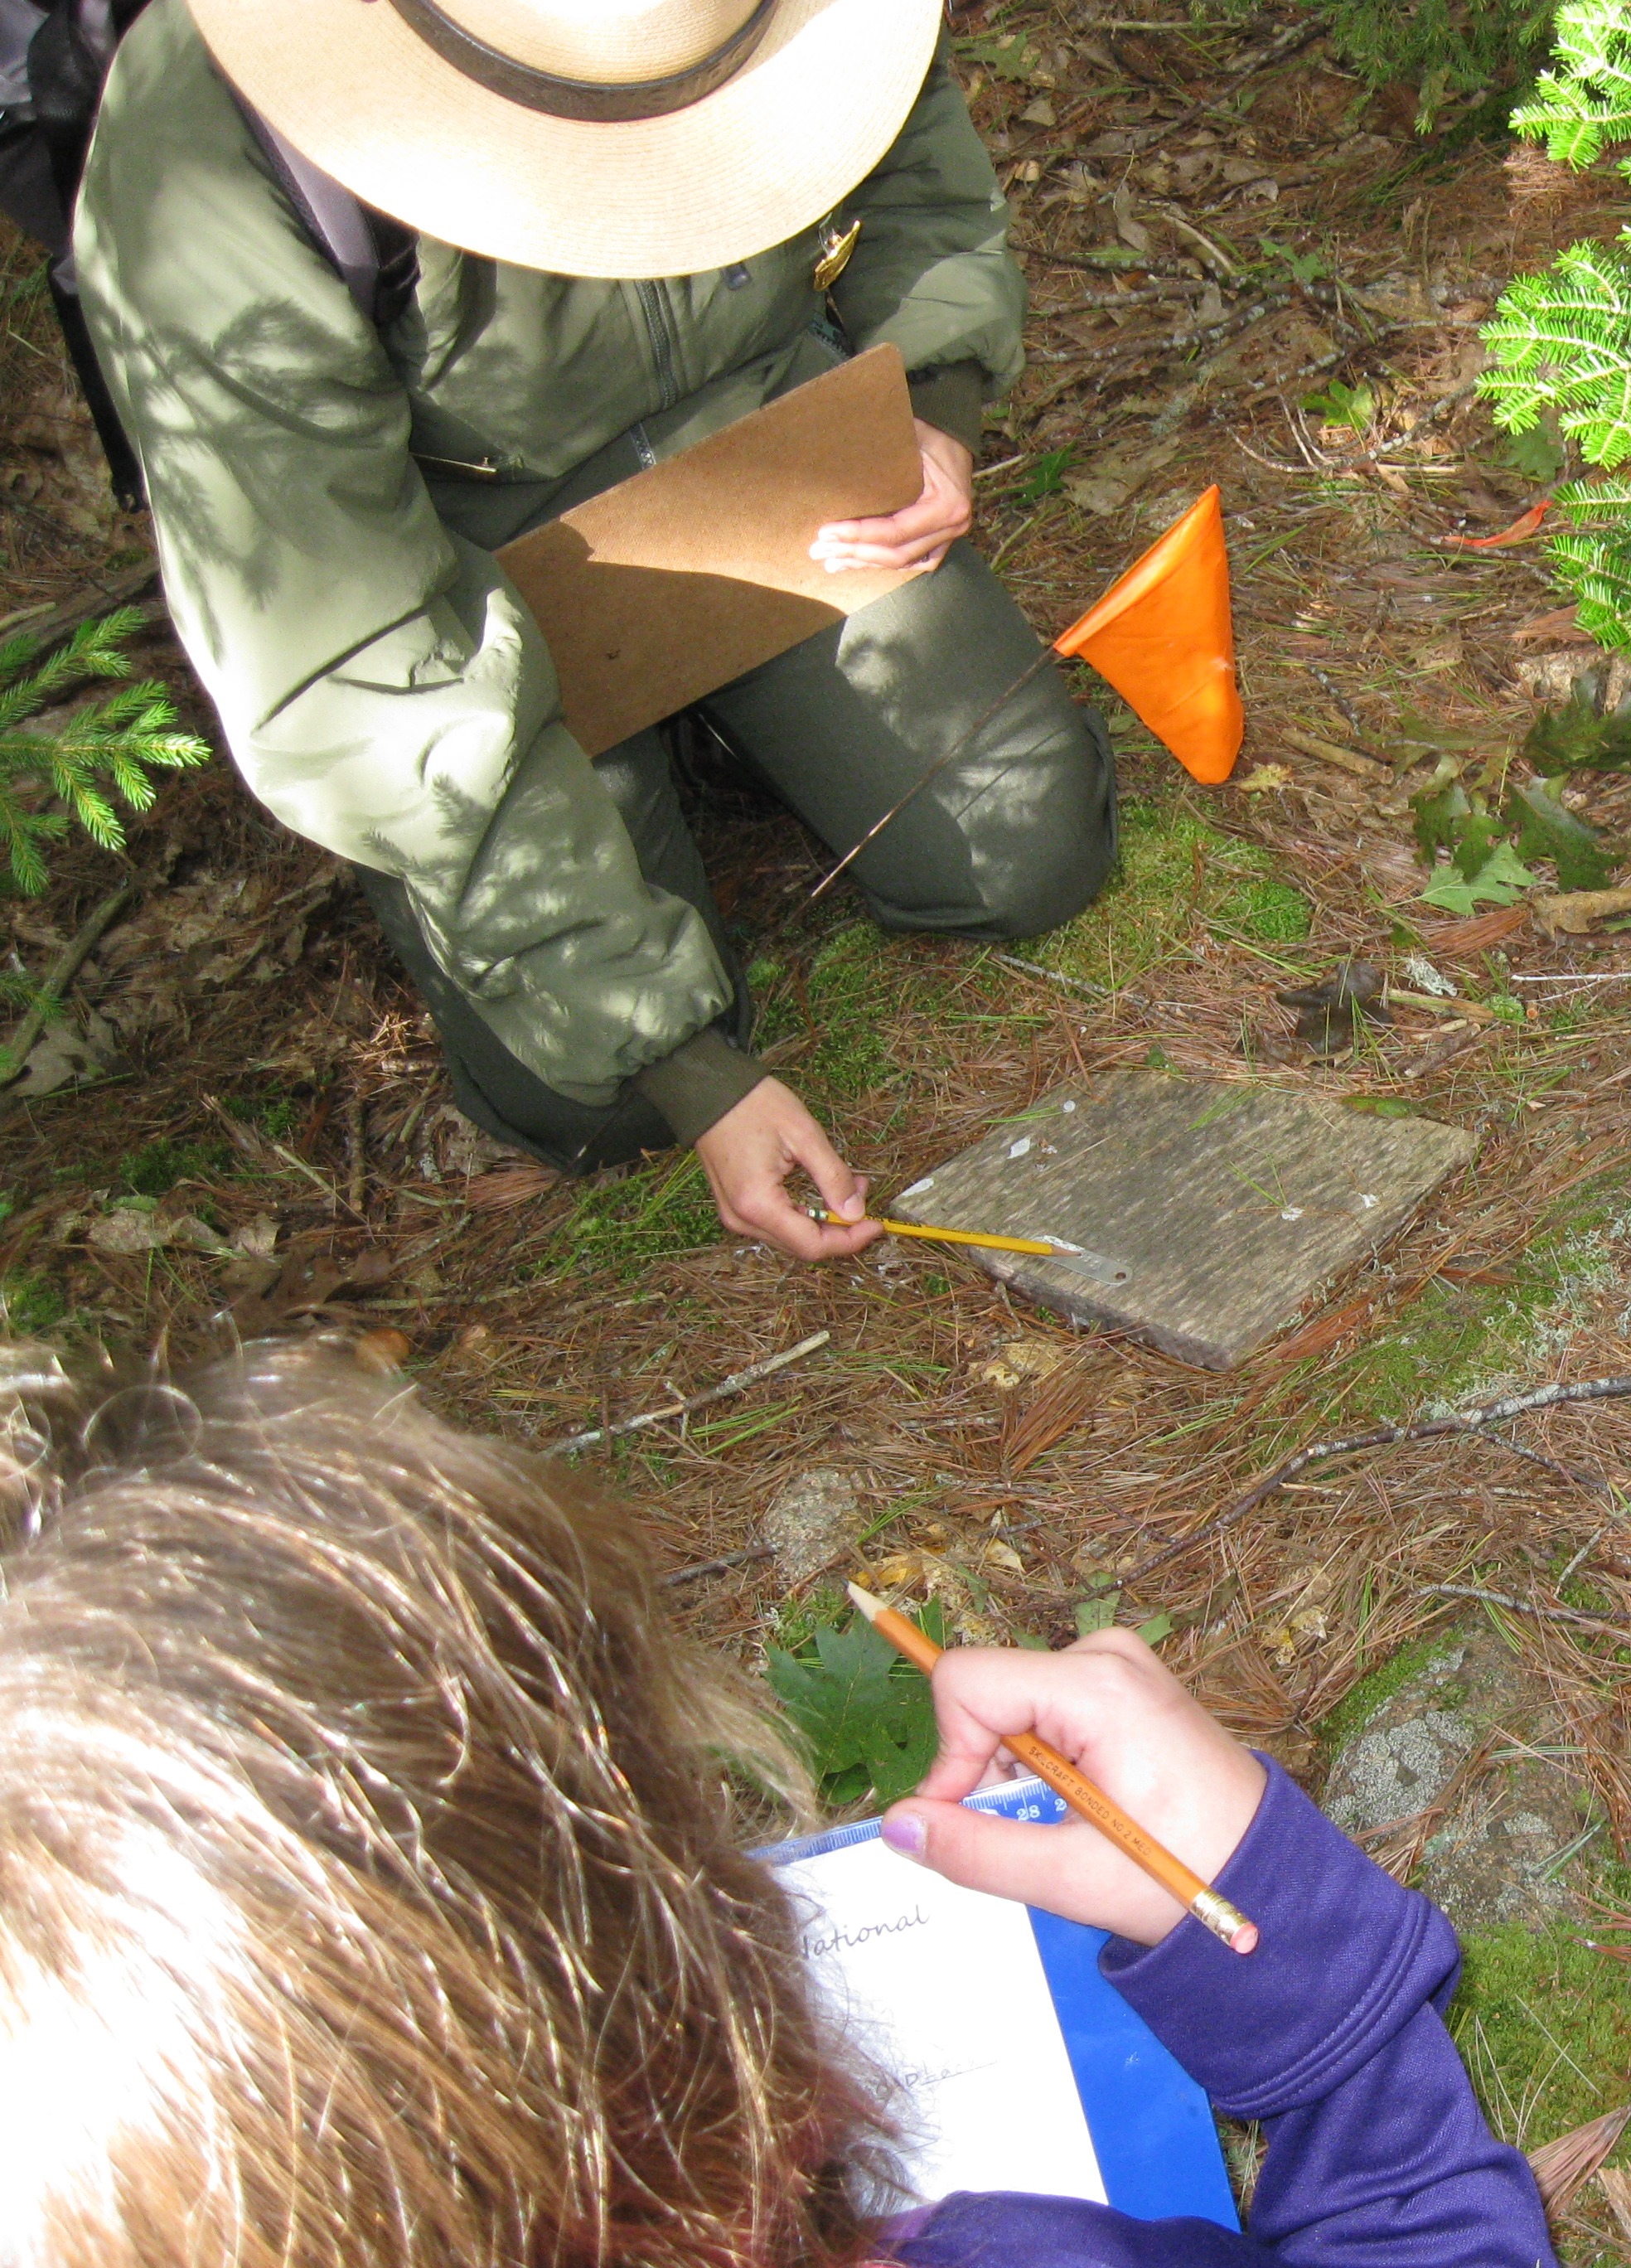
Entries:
{"x":816,"y":1947}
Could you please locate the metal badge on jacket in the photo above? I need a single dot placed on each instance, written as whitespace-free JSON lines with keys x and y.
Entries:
{"x":836,"y":247}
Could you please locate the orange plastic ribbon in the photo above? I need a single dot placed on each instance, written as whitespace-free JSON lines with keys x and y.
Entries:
{"x":1526,"y":524}
{"x":1165,"y":638}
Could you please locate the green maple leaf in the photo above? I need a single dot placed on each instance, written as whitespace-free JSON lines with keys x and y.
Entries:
{"x":866,"y":1715}
{"x":1097,"y":1614}
{"x":839,"y":1697}
{"x":899,"y":1753}
{"x":1003,"y":54}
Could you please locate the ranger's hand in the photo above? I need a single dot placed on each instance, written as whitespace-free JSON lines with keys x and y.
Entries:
{"x":920,"y":535}
{"x":748,"y":1156}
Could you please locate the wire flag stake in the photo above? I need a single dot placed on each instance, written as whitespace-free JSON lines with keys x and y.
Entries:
{"x":1163,"y":635}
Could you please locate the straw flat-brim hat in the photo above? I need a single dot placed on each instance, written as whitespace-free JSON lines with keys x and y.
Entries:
{"x":588,"y":137}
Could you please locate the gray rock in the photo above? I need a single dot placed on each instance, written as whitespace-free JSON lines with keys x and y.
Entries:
{"x":1399,"y":1769}
{"x":1492,"y":1856}
{"x":811,"y":1519}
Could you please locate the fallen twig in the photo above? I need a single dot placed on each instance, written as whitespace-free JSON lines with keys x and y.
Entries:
{"x":330,"y":1189}
{"x":1053,"y":975}
{"x":1283,"y":44}
{"x":1592,"y":1481}
{"x":53,"y":625}
{"x":357,"y":1154}
{"x":1442,"y":1050}
{"x":720,"y":1566}
{"x":1176,"y":288}
{"x":1335,"y":695}
{"x":1145,"y":349}
{"x":1116,"y":263}
{"x":1445,"y":403}
{"x":1353,"y":760}
{"x":1215,"y":258}
{"x":1384,"y":1437}
{"x":1521,"y":1606}
{"x":68,"y":965}
{"x":734,"y":1384}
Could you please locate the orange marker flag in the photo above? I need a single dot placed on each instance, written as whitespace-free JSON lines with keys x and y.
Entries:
{"x":1165,"y":638}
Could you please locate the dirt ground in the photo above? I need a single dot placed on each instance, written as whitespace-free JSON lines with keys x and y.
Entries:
{"x":1216,"y":224}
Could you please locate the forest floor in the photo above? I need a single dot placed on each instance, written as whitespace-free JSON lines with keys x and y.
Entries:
{"x":1217,"y":225}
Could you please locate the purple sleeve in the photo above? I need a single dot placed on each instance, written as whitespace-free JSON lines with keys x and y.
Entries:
{"x":1332,"y":2035}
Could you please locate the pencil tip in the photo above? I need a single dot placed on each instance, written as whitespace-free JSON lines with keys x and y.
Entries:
{"x":871,"y":1607}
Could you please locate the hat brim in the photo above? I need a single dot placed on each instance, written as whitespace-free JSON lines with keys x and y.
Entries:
{"x":768,"y":154}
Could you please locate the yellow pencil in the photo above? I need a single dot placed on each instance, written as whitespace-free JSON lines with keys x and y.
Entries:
{"x":1207,"y":1907}
{"x":1044,"y":1247}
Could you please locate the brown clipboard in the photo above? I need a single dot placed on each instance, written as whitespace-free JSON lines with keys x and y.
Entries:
{"x":669,"y":585}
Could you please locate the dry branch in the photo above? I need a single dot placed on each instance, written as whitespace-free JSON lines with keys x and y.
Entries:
{"x":68,"y":965}
{"x":734,"y":1384}
{"x":1521,"y":1606}
{"x":720,"y":1566}
{"x":1382,"y":1437}
{"x":52,"y":625}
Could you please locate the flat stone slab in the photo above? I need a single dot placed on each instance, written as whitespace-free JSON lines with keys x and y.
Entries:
{"x":1209,"y":1212}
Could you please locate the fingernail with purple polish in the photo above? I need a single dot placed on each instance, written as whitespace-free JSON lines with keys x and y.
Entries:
{"x":906,"y":1833}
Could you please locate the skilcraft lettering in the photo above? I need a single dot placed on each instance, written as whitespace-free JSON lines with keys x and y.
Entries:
{"x":817,"y":1948}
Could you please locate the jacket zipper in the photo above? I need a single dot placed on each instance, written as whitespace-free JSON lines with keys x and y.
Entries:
{"x":656,"y":313}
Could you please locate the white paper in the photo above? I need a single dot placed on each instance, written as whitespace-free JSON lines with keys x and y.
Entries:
{"x":944,"y":1988}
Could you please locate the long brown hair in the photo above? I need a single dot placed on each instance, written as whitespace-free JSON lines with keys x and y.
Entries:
{"x":369,"y":1883}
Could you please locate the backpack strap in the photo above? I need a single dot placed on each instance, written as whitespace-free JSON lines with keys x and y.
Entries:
{"x":375,"y":257}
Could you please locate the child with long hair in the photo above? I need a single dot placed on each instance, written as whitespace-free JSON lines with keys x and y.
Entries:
{"x":373,"y":1891}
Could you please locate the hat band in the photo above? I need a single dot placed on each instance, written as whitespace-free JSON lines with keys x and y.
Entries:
{"x":574,"y":98}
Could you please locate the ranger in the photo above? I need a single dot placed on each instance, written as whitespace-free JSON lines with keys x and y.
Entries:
{"x":603,"y":229}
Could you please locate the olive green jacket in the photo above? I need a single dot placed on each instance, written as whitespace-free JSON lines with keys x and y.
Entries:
{"x":326,"y":539}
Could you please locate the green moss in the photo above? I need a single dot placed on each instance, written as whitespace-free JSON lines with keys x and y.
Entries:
{"x":623,"y":1226}
{"x":1273,"y":912}
{"x":1177,"y":874}
{"x":274,"y":1113}
{"x":794,"y":1624}
{"x":850,"y":990}
{"x":856,"y":983}
{"x":28,"y":1303}
{"x":154,"y":1172}
{"x":1363,"y":1699}
{"x":1470,"y":1340}
{"x":1449,"y":1336}
{"x":1543,"y":2026}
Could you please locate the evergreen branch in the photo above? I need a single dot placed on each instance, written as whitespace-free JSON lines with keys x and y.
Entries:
{"x":1561,"y":339}
{"x":95,"y":650}
{"x":1586,"y":106}
{"x":1596,"y":570}
{"x":1441,"y":47}
{"x":116,"y":743}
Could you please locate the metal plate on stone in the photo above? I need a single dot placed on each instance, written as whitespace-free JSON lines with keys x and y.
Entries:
{"x":1208,"y":1213}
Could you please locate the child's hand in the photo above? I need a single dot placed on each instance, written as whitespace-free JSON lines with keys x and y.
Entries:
{"x":1108,"y":1705}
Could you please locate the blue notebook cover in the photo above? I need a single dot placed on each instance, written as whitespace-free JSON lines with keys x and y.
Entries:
{"x":1150,"y":2125}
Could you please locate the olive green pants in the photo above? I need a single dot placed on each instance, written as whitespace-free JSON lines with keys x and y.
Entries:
{"x":1011,"y":840}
